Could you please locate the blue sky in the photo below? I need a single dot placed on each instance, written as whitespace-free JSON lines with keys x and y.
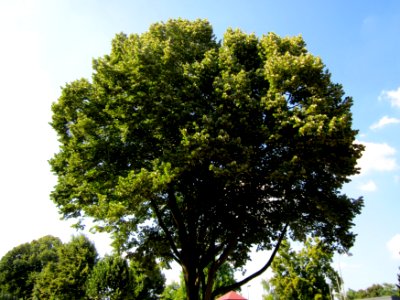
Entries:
{"x":45,"y":44}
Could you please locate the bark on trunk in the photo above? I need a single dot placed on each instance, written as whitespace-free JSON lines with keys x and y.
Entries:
{"x":192,"y":283}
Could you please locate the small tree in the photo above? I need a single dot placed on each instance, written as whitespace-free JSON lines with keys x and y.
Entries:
{"x":306,"y":274}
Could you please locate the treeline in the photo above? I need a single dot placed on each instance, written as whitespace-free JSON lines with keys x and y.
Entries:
{"x":375,"y":290}
{"x":49,"y":269}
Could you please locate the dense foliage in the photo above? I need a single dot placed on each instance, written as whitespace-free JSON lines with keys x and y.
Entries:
{"x":375,"y":290}
{"x":194,"y":150}
{"x":304,"y":274}
{"x":147,"y":278}
{"x":20,"y":267}
{"x":110,"y":279}
{"x":173,"y":291}
{"x":48,"y":269}
{"x":116,"y":278}
{"x":66,"y":278}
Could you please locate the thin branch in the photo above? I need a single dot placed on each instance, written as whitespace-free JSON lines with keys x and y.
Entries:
{"x":175,"y":254}
{"x":216,"y":264}
{"x":236,"y":285}
{"x":211,"y":252}
{"x":176,"y":215}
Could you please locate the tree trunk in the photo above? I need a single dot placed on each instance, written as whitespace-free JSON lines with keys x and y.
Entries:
{"x":207,"y":295}
{"x":192,"y":283}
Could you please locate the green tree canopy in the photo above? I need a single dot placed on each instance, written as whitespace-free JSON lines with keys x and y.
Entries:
{"x":66,"y":278}
{"x":114,"y":277}
{"x":110,"y":279}
{"x":20,"y":266}
{"x":304,"y":275}
{"x":48,"y":269}
{"x":375,"y":290}
{"x":173,"y":291}
{"x":195,"y":150}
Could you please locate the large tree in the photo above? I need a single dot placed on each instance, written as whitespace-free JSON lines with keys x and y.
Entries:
{"x":195,"y":150}
{"x":304,"y":274}
{"x":20,"y":266}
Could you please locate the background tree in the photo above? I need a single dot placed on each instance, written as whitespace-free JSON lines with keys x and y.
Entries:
{"x":116,"y":278}
{"x":47,"y":269}
{"x":375,"y":290}
{"x":66,"y":278}
{"x":110,"y":279}
{"x":148,"y":280}
{"x":196,"y":150}
{"x":270,"y":293}
{"x":174,"y":291}
{"x":306,"y":274}
{"x":225,"y":277}
{"x":20,"y":266}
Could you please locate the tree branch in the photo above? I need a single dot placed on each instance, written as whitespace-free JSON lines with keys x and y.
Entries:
{"x":210,"y":253}
{"x":212,"y":271}
{"x":176,"y":254}
{"x":176,"y":215}
{"x":236,"y":285}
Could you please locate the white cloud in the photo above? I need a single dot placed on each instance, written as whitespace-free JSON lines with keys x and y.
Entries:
{"x":393,"y":245}
{"x":369,"y":186}
{"x":393,"y":96}
{"x":377,"y":157}
{"x":383,"y":122}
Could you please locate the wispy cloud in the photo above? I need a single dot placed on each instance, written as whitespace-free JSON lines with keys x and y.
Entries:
{"x":393,"y":245}
{"x":393,"y":96}
{"x":384,"y":121}
{"x":369,"y":186}
{"x":377,"y":157}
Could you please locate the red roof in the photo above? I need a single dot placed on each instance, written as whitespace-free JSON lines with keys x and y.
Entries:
{"x":231,"y":296}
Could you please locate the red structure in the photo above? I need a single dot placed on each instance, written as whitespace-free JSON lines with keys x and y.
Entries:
{"x":231,"y":296}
